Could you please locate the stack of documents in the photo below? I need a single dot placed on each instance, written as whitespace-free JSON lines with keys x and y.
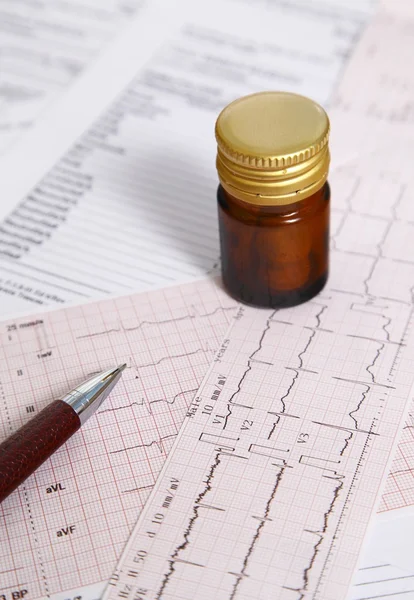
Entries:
{"x":109,"y":251}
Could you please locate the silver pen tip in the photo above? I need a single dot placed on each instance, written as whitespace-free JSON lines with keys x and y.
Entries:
{"x":87,"y":397}
{"x":113,"y":372}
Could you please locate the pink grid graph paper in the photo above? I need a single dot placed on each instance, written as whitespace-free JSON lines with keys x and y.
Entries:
{"x":66,"y":526}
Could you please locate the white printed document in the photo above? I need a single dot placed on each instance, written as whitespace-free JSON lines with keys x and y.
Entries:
{"x":131,"y":204}
{"x":44,"y":48}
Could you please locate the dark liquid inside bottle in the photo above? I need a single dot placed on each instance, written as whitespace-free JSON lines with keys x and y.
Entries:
{"x":274,"y":256}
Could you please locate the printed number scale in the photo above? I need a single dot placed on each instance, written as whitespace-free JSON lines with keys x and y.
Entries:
{"x":277,"y":469}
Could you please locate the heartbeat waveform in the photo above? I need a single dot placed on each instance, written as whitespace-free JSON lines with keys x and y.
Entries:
{"x":229,"y":413}
{"x":362,"y":400}
{"x":158,"y":443}
{"x":256,"y":536}
{"x":320,"y":534}
{"x":319,"y":314}
{"x":138,"y":489}
{"x":360,"y":403}
{"x":380,"y":349}
{"x":205,"y":350}
{"x":346,"y":442}
{"x":116,"y":408}
{"x":379,"y":245}
{"x":355,"y":307}
{"x":301,"y":355}
{"x":296,"y":370}
{"x":251,"y":357}
{"x":193,"y":391}
{"x":275,"y":424}
{"x":345,"y":505}
{"x":290,"y":388}
{"x":385,"y":325}
{"x":216,"y":463}
{"x":191,"y":315}
{"x":146,"y":404}
{"x":190,"y":526}
{"x":381,"y":242}
{"x":386,"y":322}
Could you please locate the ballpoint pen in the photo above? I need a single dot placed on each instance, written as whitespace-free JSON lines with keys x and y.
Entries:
{"x":25,"y":450}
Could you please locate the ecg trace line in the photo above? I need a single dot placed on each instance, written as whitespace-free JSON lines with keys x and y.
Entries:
{"x":190,"y":526}
{"x":339,"y":480}
{"x":158,"y":443}
{"x":342,"y":514}
{"x":297,"y":369}
{"x":251,"y":357}
{"x":150,"y":402}
{"x":239,"y":577}
{"x":256,"y":536}
{"x":320,"y":534}
{"x":193,"y":315}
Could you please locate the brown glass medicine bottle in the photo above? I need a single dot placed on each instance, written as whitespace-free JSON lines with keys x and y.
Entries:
{"x":273,"y":198}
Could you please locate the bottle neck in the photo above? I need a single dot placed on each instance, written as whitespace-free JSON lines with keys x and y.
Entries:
{"x":283,"y":212}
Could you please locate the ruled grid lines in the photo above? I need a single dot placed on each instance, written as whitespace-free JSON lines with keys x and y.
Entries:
{"x":343,"y":390}
{"x":287,"y":507}
{"x":380,"y":237}
{"x":401,"y":494}
{"x":97,"y":483}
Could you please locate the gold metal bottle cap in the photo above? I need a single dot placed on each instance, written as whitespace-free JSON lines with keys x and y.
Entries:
{"x":272,"y":148}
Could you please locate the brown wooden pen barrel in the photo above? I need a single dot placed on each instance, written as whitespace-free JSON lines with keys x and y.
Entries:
{"x":24,"y":451}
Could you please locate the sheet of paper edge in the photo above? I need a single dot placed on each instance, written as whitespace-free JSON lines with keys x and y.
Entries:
{"x":374,"y":514}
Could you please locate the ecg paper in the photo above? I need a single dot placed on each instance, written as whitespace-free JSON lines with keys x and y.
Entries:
{"x":67,"y":524}
{"x":78,"y":511}
{"x":372,"y":272}
{"x":30,"y":288}
{"x":104,"y":219}
{"x":379,"y":82}
{"x":44,"y":46}
{"x":275,"y":473}
{"x":371,"y":250}
{"x":372,"y":223}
